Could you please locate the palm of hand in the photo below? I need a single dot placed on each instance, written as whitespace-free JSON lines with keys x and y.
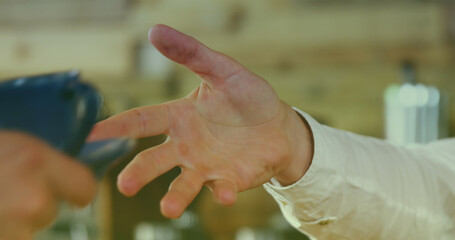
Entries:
{"x":229,"y":134}
{"x":221,"y":143}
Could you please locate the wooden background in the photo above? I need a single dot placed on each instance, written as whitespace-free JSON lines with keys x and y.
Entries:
{"x":330,"y":59}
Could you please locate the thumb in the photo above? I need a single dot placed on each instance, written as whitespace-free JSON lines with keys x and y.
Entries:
{"x":212,"y":66}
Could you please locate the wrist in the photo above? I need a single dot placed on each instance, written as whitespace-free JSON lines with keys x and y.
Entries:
{"x":301,"y":148}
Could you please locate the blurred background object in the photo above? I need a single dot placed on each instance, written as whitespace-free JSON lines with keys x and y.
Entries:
{"x":332,"y":59}
{"x":414,"y":113}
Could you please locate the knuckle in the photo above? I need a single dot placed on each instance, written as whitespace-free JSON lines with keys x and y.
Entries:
{"x":20,"y":137}
{"x":17,"y":140}
{"x":145,"y":161}
{"x":141,"y":120}
{"x":38,"y":207}
{"x":29,"y":151}
{"x":190,"y":54}
{"x":147,"y":155}
{"x":190,"y":184}
{"x":33,"y":157}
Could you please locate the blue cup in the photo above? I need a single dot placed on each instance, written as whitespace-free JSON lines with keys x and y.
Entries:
{"x":61,"y":110}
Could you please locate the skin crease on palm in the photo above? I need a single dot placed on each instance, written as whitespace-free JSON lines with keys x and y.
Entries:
{"x":230,"y":134}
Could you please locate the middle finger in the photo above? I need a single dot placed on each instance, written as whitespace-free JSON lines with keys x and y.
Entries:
{"x":147,"y":166}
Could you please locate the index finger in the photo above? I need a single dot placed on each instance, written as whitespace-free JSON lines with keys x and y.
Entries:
{"x":137,"y":122}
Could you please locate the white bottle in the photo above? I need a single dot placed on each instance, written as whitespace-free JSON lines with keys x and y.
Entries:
{"x":413,"y":112}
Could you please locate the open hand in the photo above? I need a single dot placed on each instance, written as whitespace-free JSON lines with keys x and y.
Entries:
{"x":231,"y":134}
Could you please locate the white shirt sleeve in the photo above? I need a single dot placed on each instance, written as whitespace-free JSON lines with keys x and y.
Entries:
{"x":359,"y":187}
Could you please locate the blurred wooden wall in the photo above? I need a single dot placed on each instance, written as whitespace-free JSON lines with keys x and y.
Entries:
{"x":332,"y":60}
